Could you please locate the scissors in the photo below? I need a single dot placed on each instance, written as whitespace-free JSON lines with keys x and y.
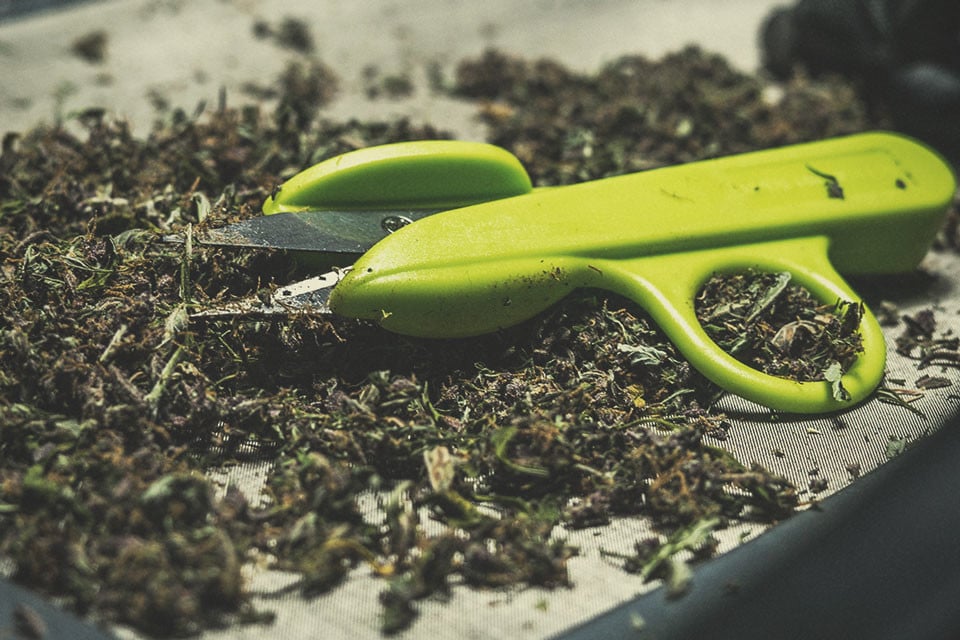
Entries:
{"x":452,"y":240}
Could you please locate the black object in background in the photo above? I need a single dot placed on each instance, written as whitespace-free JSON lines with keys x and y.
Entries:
{"x":904,"y":54}
{"x":879,"y":559}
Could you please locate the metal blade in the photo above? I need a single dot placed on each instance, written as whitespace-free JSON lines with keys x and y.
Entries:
{"x":333,"y":232}
{"x":306,"y":296}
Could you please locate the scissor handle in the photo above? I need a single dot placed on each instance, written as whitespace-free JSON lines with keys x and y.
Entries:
{"x":667,"y":286}
{"x":422,"y":174}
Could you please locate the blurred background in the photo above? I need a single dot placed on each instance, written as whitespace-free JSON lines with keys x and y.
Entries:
{"x":136,"y":56}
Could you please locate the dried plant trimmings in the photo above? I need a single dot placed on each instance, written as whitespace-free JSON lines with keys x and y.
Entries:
{"x":766,"y":321}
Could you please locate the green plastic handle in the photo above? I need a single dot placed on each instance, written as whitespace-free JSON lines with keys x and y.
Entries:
{"x":670,"y":283}
{"x":869,"y":203}
{"x":437,"y":174}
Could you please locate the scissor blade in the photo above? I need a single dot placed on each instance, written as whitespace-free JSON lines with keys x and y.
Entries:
{"x":306,"y":296}
{"x":333,"y":232}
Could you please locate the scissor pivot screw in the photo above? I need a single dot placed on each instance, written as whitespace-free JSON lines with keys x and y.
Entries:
{"x":392,"y":223}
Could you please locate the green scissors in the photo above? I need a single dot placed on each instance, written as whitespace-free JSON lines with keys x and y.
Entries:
{"x":454,"y":241}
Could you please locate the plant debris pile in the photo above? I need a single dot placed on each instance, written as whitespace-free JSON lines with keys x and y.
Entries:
{"x":115,"y":403}
{"x":766,"y":322}
{"x":637,"y":114}
{"x":921,"y":342}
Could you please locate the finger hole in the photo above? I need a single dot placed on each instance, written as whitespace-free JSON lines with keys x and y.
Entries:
{"x":770,"y":322}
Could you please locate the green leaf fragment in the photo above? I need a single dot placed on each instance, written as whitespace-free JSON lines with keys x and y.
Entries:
{"x":643,"y":354}
{"x":679,"y":574}
{"x":834,"y":375}
{"x":895,"y":446}
{"x":769,"y":297}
